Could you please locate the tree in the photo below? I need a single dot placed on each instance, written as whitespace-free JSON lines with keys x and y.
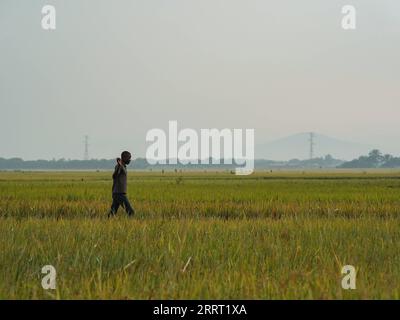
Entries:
{"x":387,"y":158}
{"x":376,"y":158}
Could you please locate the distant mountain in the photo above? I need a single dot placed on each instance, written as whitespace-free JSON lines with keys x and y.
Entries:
{"x":297,"y":146}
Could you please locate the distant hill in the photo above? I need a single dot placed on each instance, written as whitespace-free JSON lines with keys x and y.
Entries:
{"x":297,"y":147}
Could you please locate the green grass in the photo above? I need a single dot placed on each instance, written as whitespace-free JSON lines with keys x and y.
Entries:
{"x":201,"y":235}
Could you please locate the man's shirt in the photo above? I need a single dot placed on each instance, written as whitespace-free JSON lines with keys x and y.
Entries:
{"x":120,"y":179}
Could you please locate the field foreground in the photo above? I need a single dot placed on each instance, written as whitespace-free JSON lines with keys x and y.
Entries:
{"x":201,"y":235}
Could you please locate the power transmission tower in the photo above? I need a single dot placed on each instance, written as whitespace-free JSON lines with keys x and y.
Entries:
{"x":312,"y":144}
{"x":86,"y":153}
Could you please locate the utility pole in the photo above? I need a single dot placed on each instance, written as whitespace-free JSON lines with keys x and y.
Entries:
{"x":312,"y":143}
{"x":86,"y":153}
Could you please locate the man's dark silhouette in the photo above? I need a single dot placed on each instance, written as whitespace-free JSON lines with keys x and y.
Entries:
{"x":119,"y":188}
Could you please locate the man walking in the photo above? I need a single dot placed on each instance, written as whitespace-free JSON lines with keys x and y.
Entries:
{"x":119,"y":188}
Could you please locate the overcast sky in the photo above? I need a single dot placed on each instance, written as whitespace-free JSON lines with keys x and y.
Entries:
{"x":115,"y":69}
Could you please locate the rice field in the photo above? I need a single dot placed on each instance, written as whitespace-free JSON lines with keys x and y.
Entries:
{"x":201,"y":235}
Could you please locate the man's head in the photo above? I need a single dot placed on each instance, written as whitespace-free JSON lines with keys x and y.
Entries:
{"x":126,"y":157}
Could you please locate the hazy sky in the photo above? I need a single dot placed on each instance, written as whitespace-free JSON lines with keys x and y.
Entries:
{"x":115,"y":69}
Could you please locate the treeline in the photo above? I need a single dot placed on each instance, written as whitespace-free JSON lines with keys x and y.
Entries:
{"x":322,"y":162}
{"x":375,"y":159}
{"x":142,"y":164}
{"x":63,"y":164}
